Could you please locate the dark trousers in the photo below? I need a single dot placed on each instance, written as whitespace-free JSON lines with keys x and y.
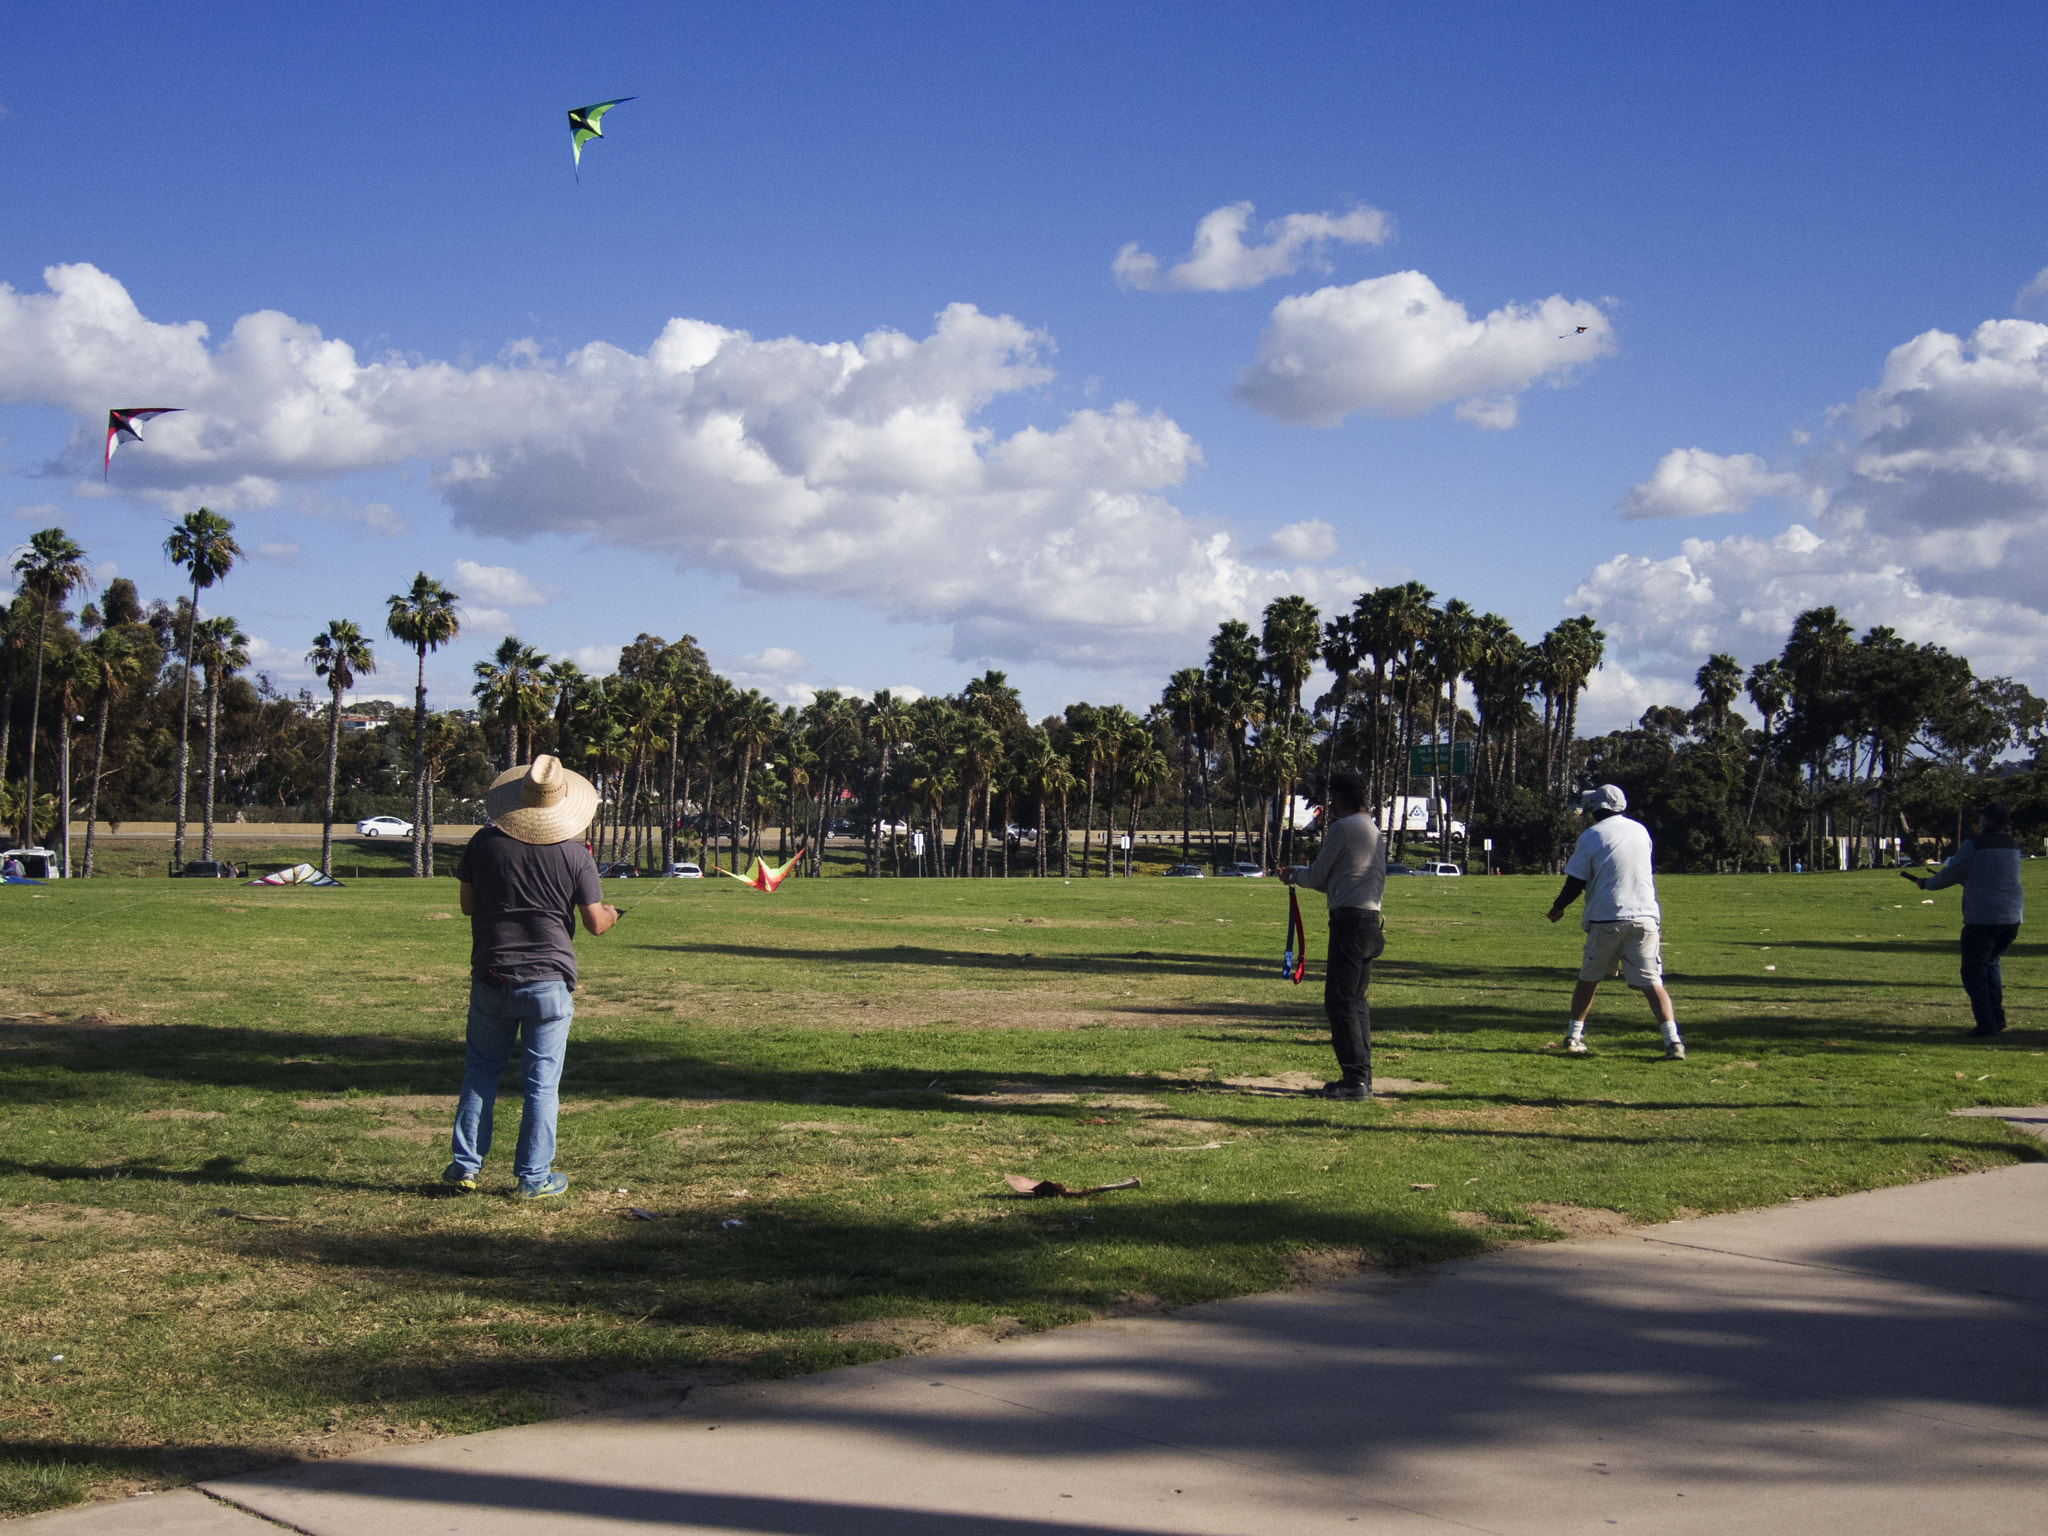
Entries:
{"x":1983,"y":943}
{"x":1356,"y":940}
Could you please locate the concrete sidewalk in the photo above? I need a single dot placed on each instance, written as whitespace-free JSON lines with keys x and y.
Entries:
{"x":1873,"y":1364}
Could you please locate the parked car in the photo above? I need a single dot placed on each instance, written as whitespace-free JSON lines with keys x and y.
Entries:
{"x":383,"y":826}
{"x":1438,"y":869}
{"x":206,"y":869}
{"x":682,"y":871}
{"x":1186,"y":871}
{"x":1399,"y":869}
{"x":618,"y":870}
{"x":1243,"y":871}
{"x":891,"y":828}
{"x":37,"y":863}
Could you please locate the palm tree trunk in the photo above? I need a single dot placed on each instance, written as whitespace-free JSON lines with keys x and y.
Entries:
{"x":185,"y":728}
{"x":1066,"y":838}
{"x":963,"y":847}
{"x":420,"y":849}
{"x":333,"y":767}
{"x":212,"y":747}
{"x":1088,"y":831}
{"x":99,"y":758}
{"x":35,"y":712}
{"x":64,"y":784}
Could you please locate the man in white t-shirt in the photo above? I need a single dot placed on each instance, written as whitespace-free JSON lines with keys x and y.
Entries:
{"x":1611,"y":865}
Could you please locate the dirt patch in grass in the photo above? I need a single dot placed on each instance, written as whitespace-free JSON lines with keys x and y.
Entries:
{"x":1505,"y":1116}
{"x":70,"y":1218}
{"x":815,"y":1125}
{"x":393,"y":1103}
{"x":1308,"y":1082}
{"x":180,"y":1114}
{"x":1579,"y":1220}
{"x":1166,"y":1126}
{"x":927,"y":1336}
{"x":1315,"y":1266}
{"x":418,"y":1133}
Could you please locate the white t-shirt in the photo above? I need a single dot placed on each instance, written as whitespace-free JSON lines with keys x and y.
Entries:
{"x":1613,"y":857}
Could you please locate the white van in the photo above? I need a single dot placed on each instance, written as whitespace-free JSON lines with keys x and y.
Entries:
{"x":36,"y":863}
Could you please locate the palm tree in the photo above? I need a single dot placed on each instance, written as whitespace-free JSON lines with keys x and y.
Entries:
{"x":341,"y":652}
{"x":1291,"y":636}
{"x":1718,"y":681}
{"x":1769,"y":689}
{"x":509,"y":685}
{"x":885,"y":721}
{"x":50,"y":568}
{"x":70,"y":677}
{"x":223,"y":650}
{"x":1456,"y":643}
{"x":1233,"y":685}
{"x":1183,"y":701}
{"x":204,"y":543}
{"x":751,"y":727}
{"x":14,"y":633}
{"x":1046,"y":773}
{"x":981,"y":753}
{"x":113,"y":664}
{"x":424,"y":618}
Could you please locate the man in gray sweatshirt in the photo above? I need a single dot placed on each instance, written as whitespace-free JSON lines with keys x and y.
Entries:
{"x":1351,"y":871}
{"x":1987,"y":867}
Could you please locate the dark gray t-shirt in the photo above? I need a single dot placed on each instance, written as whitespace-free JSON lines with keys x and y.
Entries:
{"x":525,"y":897}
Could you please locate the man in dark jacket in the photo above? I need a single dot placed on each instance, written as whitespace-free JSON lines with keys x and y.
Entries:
{"x":1987,"y":867}
{"x":1351,"y":872}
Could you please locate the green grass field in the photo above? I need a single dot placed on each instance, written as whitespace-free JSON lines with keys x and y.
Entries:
{"x":225,"y":1108}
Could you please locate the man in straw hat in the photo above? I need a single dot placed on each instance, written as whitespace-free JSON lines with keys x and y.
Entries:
{"x":1611,"y":865}
{"x":524,"y":879}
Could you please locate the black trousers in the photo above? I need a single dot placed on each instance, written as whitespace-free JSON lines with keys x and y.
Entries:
{"x":1356,"y":940}
{"x":1983,"y":978}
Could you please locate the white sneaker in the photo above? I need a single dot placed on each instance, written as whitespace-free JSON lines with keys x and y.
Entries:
{"x":1674,"y":1050}
{"x":1575,"y":1046}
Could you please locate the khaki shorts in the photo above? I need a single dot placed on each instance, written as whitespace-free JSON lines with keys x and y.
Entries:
{"x":1632,"y":945}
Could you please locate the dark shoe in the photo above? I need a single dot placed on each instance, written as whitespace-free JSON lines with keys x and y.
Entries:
{"x":1982,"y":1033}
{"x":1344,"y":1088}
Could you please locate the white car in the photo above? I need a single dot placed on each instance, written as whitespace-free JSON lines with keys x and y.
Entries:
{"x":1435,"y":869}
{"x":682,"y":872}
{"x":1241,"y":871}
{"x":383,"y":826}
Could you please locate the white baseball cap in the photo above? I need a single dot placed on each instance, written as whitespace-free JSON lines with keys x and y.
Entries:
{"x":1608,"y":797}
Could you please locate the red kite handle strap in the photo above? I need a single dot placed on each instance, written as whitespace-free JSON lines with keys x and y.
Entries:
{"x":1294,"y":961}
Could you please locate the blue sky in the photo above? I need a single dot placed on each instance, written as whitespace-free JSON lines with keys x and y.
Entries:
{"x":1786,"y":231}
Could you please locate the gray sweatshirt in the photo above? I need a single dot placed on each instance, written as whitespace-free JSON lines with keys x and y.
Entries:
{"x":1987,"y":867}
{"x":1351,"y":868}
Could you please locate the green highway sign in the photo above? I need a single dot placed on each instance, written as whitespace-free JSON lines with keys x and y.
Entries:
{"x":1427,"y":757}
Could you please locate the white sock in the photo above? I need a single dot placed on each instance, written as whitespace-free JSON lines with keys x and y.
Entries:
{"x":1575,"y":1028}
{"x":1671,"y":1030}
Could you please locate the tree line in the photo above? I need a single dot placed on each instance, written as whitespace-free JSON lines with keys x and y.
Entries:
{"x":1466,"y":735}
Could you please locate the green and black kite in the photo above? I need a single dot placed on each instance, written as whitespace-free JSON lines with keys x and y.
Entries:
{"x":583,"y":127}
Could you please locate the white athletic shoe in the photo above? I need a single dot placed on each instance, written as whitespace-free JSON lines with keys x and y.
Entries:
{"x":1674,"y":1050}
{"x":1576,"y":1046}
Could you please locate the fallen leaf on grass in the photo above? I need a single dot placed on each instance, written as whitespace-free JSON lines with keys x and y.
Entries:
{"x":1422,"y":1186}
{"x":1040,"y":1189}
{"x":635,"y":1213}
{"x":246,"y":1216}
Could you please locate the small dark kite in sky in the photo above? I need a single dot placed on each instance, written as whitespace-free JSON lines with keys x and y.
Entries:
{"x":121,"y":428}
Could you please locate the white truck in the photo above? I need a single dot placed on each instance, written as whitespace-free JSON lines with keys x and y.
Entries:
{"x":1418,"y":815}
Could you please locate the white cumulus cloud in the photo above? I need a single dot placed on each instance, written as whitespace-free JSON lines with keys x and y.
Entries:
{"x":1221,"y":262}
{"x":1398,"y":346}
{"x":1924,"y":506}
{"x":1691,"y":482}
{"x":498,"y":585}
{"x":2035,"y":290}
{"x":857,"y":469}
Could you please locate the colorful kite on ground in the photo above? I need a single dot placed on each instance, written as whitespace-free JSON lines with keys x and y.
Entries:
{"x":121,"y":428}
{"x":298,"y":874}
{"x":761,"y":877}
{"x":1294,"y":959}
{"x":583,"y":128}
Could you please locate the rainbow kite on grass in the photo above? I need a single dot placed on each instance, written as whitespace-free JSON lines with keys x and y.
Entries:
{"x":762,"y":877}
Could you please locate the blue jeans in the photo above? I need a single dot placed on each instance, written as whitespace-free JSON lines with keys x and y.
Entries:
{"x":1983,"y":943}
{"x":532,"y":1017}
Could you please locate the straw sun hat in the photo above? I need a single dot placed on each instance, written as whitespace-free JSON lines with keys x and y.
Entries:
{"x":542,"y":802}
